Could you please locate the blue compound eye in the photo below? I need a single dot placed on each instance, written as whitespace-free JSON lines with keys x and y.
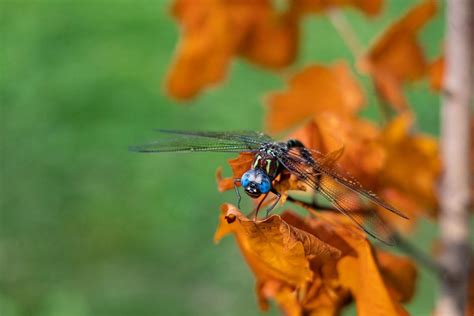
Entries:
{"x":264,"y":186}
{"x":245,"y":180}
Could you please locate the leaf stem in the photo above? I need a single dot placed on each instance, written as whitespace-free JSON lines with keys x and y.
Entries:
{"x":352,"y":41}
{"x":345,"y":30}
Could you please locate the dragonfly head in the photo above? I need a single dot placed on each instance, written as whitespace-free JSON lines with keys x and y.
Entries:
{"x":256,"y":182}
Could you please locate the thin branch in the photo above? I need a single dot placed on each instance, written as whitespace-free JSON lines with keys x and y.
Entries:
{"x":454,"y":188}
{"x":386,"y":113}
{"x":352,"y":41}
{"x":346,"y":32}
{"x":418,"y":255}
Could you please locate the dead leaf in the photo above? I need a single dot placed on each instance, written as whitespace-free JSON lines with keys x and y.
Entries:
{"x":284,"y":296}
{"x":214,"y":31}
{"x":273,"y":249}
{"x":210,"y":36}
{"x":314,"y":90}
{"x":400,"y":166}
{"x":362,"y":277}
{"x":312,"y":266}
{"x":436,"y":73}
{"x":399,"y":273}
{"x":413,"y":164}
{"x":397,"y":57}
{"x":363,"y":155}
{"x":239,"y":166}
{"x":273,"y":43}
{"x":368,"y":278}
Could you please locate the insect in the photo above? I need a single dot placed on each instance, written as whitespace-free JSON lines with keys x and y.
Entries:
{"x":270,"y":159}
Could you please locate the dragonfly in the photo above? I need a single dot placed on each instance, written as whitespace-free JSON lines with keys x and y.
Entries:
{"x":271,"y":158}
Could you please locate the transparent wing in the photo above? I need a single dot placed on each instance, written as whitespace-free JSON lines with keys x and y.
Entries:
{"x":349,"y":181}
{"x":343,"y":191}
{"x":248,"y":136}
{"x":194,"y":141}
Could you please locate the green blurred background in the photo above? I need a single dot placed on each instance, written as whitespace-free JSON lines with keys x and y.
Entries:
{"x":88,"y":228}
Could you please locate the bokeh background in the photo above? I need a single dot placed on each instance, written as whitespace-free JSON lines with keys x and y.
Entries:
{"x":88,"y":228}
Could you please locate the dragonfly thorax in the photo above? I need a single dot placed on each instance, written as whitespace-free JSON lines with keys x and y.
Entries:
{"x":266,"y":161}
{"x":256,"y":182}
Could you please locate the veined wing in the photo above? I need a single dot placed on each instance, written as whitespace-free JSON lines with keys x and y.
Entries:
{"x":197,"y":141}
{"x":247,"y":136}
{"x":343,"y":191}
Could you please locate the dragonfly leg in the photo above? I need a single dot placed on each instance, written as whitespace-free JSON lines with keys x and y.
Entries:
{"x":258,"y":207}
{"x":237,"y":180}
{"x":278,"y":197}
{"x":314,"y":198}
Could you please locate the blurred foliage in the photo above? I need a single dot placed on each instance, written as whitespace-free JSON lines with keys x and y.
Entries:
{"x":88,"y":228}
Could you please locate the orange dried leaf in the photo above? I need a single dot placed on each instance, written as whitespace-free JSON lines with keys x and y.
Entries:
{"x":398,"y":165}
{"x":436,"y":73}
{"x":214,"y":31}
{"x":314,"y":90}
{"x":284,"y":296}
{"x":397,"y":56}
{"x":273,"y":249}
{"x":362,"y":277}
{"x":311,"y":135}
{"x":273,"y":42}
{"x":399,"y":273}
{"x":327,"y":226}
{"x":363,"y":155}
{"x":239,"y":166}
{"x":413,"y":163}
{"x":287,"y":182}
{"x":311,"y":266}
{"x":377,"y":284}
{"x":210,"y":36}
